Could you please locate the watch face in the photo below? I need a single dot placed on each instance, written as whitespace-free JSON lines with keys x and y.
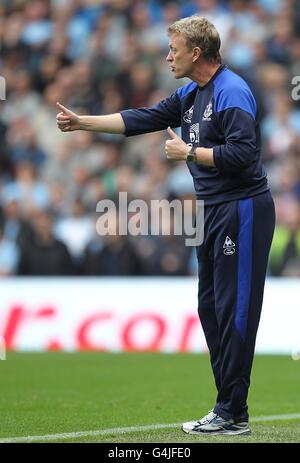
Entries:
{"x":190,"y":158}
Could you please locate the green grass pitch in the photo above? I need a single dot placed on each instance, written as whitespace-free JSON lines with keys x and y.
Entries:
{"x":59,"y":393}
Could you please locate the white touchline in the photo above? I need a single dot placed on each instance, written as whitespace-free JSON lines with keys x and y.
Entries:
{"x":129,"y":429}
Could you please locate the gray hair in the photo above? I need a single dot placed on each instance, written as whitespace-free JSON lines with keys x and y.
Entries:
{"x":199,"y":32}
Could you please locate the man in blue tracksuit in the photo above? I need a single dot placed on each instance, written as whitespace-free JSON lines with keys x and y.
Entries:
{"x":221,"y":145}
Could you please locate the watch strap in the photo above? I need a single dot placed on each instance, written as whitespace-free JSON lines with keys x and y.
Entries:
{"x":191,"y":156}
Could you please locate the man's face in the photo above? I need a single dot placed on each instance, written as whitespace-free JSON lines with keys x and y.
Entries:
{"x":179,"y":57}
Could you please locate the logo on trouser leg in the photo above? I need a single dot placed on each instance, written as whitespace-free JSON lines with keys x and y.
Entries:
{"x":228,"y":246}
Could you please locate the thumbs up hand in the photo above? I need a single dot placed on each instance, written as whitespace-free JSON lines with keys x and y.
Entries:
{"x":66,"y":120}
{"x":176,"y":148}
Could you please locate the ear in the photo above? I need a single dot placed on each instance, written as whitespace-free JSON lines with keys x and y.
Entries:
{"x":197,"y":52}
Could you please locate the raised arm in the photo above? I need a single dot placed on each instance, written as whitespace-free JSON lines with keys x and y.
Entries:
{"x":128,"y":122}
{"x":68,"y":121}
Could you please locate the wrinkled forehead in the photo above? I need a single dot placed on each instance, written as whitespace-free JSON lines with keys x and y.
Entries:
{"x":177,"y":39}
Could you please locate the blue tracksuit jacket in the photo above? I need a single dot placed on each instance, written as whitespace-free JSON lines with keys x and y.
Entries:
{"x":220,"y":115}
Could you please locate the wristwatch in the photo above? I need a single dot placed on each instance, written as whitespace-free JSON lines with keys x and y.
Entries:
{"x":191,"y":156}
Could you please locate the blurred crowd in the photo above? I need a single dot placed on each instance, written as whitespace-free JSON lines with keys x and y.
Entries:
{"x":98,"y":57}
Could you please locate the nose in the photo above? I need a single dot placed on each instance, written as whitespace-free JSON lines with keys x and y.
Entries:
{"x":169,"y":57}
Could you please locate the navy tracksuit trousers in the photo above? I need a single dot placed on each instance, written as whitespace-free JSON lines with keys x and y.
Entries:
{"x":232,"y":268}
